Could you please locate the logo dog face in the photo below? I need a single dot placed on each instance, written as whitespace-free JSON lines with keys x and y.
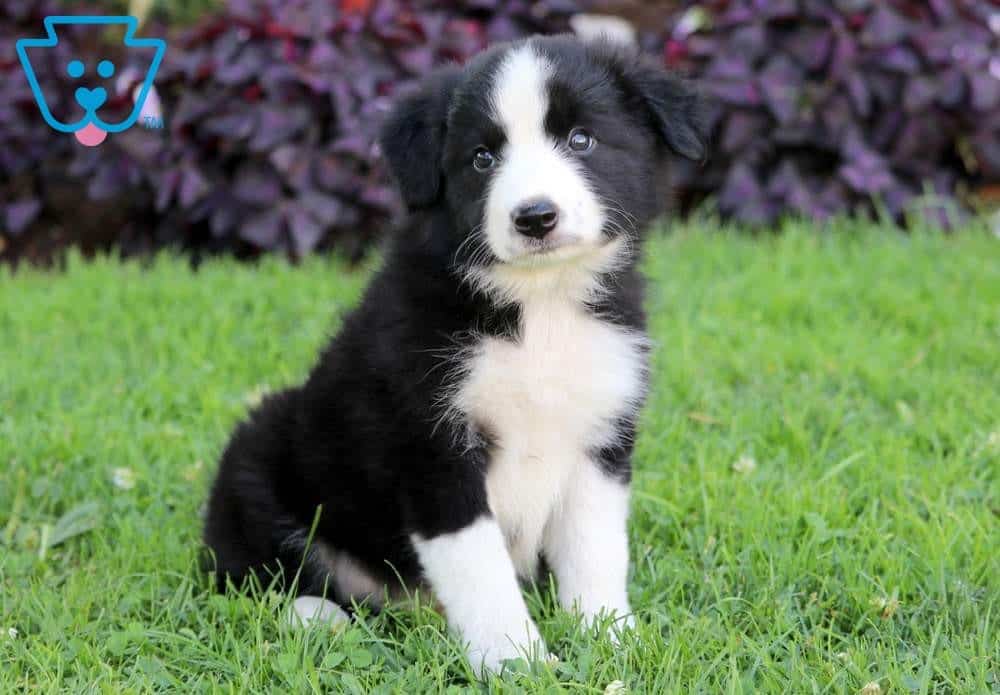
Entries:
{"x":91,"y":126}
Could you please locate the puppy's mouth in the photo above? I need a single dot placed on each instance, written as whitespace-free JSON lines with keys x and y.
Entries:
{"x":526,"y":250}
{"x":556,"y":248}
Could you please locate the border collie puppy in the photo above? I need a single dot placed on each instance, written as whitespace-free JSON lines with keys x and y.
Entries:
{"x":476,"y":413}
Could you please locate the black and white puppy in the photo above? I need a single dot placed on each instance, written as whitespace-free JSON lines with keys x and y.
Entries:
{"x":476,"y":413}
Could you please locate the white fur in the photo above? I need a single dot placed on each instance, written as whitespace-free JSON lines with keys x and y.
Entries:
{"x":586,"y":545}
{"x":573,"y":275}
{"x":549,"y":399}
{"x":473,"y":579}
{"x":533,"y":165}
{"x":553,"y":395}
{"x":310,"y":609}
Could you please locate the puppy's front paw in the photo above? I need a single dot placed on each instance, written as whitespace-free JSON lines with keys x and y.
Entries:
{"x":620,"y":624}
{"x":488,"y":656}
{"x":612,"y":621}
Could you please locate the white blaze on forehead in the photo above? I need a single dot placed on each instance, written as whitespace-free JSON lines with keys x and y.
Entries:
{"x":520,"y":99}
{"x":533,"y":165}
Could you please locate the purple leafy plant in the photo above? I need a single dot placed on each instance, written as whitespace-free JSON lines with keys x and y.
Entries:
{"x":829,"y":106}
{"x":270,"y":110}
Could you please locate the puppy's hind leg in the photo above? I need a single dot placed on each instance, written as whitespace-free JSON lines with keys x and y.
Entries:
{"x":248,"y":527}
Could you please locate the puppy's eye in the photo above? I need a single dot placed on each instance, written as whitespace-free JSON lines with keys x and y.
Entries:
{"x":580,"y":140}
{"x":483,"y":159}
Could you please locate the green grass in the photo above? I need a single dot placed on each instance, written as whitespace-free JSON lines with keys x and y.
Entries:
{"x":816,"y":498}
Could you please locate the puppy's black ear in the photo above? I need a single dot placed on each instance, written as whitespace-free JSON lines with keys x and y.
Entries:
{"x":412,"y":137}
{"x":675,"y":107}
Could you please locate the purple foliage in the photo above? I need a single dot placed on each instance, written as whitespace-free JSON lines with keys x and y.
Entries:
{"x":26,"y":142}
{"x":270,"y":111}
{"x":825,"y":106}
{"x":271,"y":106}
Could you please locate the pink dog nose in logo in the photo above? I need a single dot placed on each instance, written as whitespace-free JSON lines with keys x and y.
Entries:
{"x":90,"y":135}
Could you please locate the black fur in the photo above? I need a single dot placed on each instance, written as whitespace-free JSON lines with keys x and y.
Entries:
{"x":362,"y":438}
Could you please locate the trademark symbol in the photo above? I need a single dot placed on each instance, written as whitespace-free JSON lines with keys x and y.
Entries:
{"x":152,"y":122}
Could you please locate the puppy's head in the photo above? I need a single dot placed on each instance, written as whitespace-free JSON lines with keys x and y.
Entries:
{"x":546,"y":152}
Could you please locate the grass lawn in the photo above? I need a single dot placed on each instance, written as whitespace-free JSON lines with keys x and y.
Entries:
{"x":815,"y":506}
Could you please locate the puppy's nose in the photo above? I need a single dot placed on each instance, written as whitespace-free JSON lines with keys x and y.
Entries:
{"x":536,"y":218}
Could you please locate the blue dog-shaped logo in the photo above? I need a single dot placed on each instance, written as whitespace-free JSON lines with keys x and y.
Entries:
{"x":91,"y":129}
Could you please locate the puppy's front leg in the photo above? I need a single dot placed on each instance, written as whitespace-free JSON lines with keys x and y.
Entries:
{"x":586,"y":545}
{"x":472,"y":576}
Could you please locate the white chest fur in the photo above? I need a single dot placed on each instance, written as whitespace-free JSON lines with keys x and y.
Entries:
{"x":548,"y":399}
